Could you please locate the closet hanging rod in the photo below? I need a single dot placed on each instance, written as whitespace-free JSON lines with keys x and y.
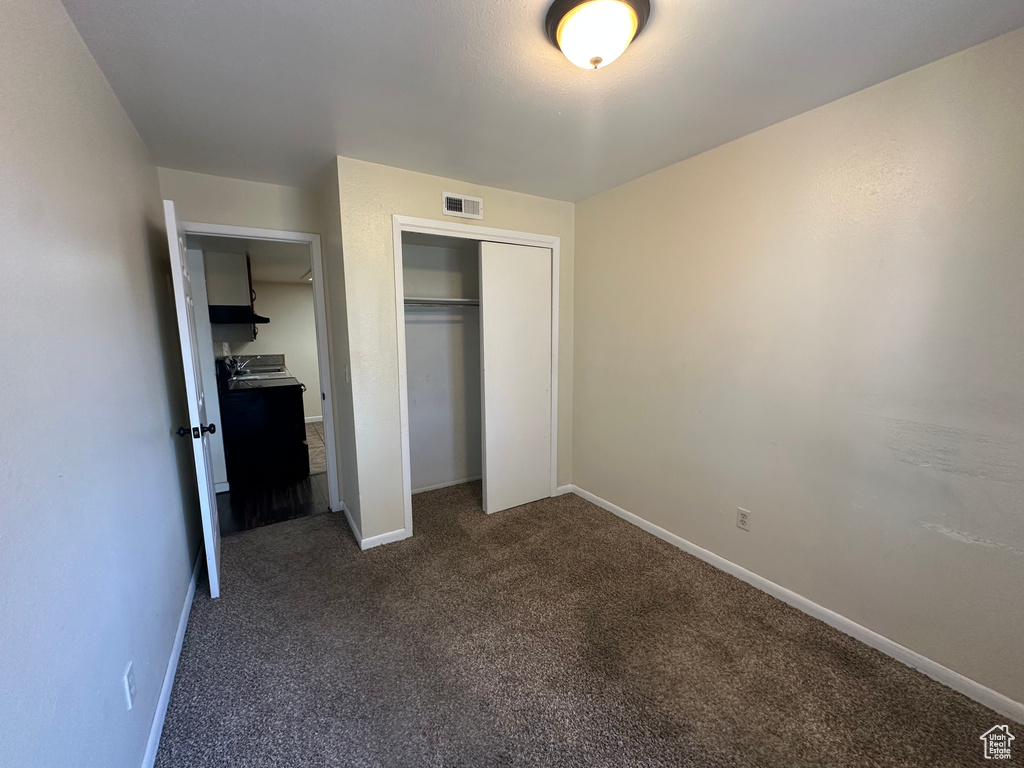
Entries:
{"x":421,"y":302}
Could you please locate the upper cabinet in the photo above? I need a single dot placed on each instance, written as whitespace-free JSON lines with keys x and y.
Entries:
{"x":229,"y":291}
{"x":227,"y":279}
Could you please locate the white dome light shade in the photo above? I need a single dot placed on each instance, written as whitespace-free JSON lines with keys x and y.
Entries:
{"x":595,"y":33}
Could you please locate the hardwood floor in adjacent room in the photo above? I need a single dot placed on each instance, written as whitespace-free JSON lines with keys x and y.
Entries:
{"x":317,"y":447}
{"x":242,"y":510}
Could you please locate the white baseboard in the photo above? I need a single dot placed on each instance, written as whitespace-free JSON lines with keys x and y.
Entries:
{"x":373,"y":541}
{"x":221,"y":487}
{"x":157,"y":728}
{"x":1002,"y":704}
{"x":384,"y":538}
{"x":564,"y":489}
{"x":445,"y":485}
{"x":352,"y":523}
{"x":314,"y":419}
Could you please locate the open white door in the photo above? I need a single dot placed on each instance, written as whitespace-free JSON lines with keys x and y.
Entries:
{"x":198,"y":430}
{"x":515,"y":351}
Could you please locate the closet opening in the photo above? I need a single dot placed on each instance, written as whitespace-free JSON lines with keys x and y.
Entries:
{"x":478,"y":342}
{"x":441,"y":281}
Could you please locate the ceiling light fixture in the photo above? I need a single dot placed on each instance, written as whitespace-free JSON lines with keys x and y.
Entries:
{"x":594,"y":33}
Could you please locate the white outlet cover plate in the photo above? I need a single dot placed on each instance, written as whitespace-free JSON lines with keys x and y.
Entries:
{"x":129,"y":685}
{"x":743,"y":518}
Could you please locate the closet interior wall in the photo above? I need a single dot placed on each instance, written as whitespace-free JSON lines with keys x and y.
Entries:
{"x":442,"y":359}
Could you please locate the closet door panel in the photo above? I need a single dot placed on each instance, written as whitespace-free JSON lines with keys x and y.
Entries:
{"x":515,"y":350}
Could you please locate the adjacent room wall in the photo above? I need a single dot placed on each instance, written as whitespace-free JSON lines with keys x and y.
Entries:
{"x":443,"y":364}
{"x":98,"y":530}
{"x":370,"y":195}
{"x":236,"y":202}
{"x":821,"y":322}
{"x":291,"y":332}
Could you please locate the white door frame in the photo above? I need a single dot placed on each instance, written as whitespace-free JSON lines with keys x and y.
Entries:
{"x":400,"y":224}
{"x":319,"y":309}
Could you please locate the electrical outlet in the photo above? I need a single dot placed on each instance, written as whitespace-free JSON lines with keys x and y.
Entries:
{"x":743,"y":518}
{"x":129,"y":685}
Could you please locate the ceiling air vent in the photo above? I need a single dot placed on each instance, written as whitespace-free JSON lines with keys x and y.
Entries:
{"x":463,"y":205}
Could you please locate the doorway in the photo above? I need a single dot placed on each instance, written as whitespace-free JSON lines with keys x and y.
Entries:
{"x":478,"y":359}
{"x":274,"y":455}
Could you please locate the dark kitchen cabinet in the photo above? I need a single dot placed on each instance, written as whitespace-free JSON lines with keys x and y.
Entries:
{"x":264,"y":434}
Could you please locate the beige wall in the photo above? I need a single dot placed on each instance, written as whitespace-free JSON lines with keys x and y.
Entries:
{"x":821,"y":322}
{"x":98,"y":530}
{"x":239,"y":203}
{"x":291,"y":332}
{"x":369,"y":196}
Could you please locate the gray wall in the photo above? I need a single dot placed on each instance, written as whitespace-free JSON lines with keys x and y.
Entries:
{"x":442,"y":346}
{"x":96,"y":549}
{"x":822,"y":322}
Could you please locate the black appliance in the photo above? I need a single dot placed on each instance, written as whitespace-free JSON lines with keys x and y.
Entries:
{"x":264,"y":429}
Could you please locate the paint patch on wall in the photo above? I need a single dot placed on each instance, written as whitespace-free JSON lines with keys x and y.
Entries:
{"x":958,"y":451}
{"x":967,"y":538}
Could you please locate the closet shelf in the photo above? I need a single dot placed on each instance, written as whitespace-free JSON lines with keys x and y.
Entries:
{"x":411,"y":301}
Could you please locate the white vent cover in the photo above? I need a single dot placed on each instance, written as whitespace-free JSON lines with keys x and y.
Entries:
{"x":462,"y":205}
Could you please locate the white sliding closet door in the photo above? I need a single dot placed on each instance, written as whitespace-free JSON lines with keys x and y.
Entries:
{"x":515,"y":353}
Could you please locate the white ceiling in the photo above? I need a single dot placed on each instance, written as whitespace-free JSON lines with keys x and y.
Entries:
{"x":271,"y":90}
{"x":270,"y":261}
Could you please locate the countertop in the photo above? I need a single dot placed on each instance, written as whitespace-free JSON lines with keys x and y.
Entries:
{"x":234,"y":385}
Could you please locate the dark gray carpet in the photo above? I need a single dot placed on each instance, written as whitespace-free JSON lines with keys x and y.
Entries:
{"x":554,"y":634}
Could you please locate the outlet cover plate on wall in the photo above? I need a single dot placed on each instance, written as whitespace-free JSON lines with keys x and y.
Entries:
{"x":129,"y":685}
{"x":743,"y":518}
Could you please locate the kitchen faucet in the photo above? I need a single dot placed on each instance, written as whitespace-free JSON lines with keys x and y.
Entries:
{"x":239,"y":366}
